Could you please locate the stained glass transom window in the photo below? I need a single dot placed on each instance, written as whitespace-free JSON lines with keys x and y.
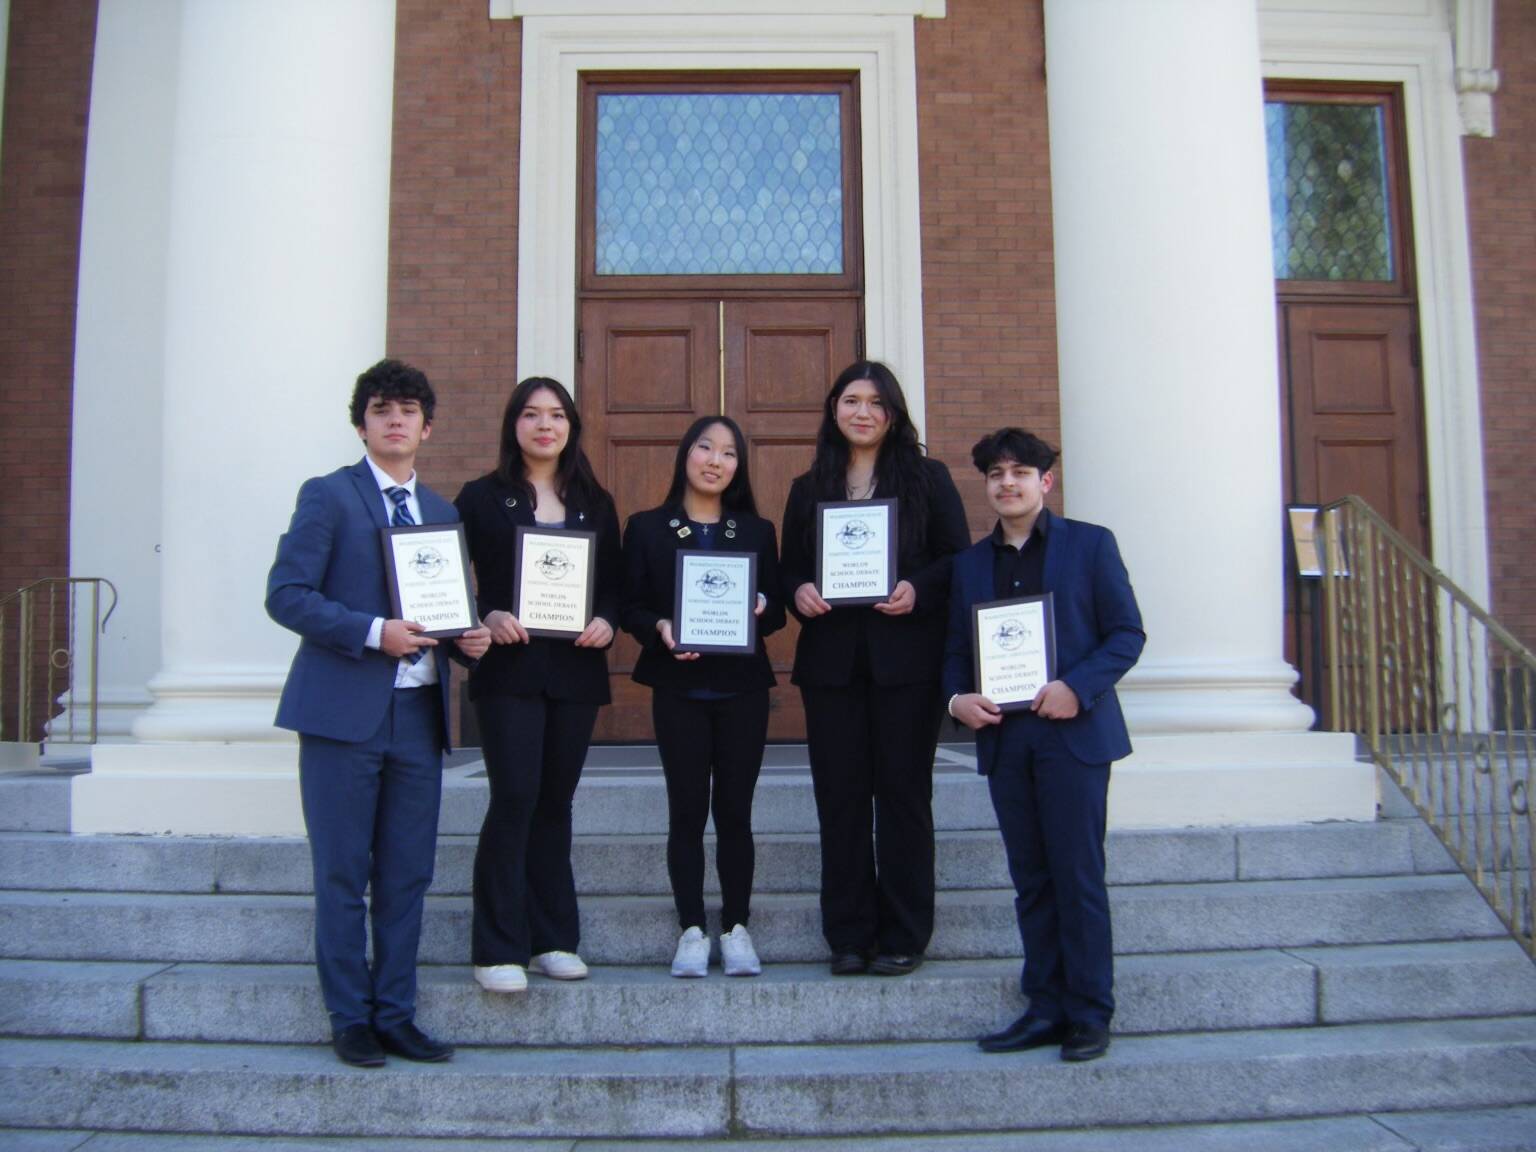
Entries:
{"x":719,"y":183}
{"x":1329,"y":211}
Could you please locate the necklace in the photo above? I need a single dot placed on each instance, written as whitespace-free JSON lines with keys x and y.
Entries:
{"x":860,"y":491}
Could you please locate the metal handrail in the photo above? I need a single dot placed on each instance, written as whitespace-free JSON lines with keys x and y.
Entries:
{"x":1442,"y":695}
{"x":49,"y":615}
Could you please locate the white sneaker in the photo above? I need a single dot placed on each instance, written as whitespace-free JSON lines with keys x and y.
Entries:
{"x":737,"y":956}
{"x":502,"y":978}
{"x":559,"y":965}
{"x":692,"y":958}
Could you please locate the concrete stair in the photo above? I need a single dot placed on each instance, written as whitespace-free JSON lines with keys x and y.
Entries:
{"x":1332,"y":986}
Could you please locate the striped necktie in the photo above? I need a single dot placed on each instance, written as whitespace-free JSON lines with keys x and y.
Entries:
{"x":402,"y":513}
{"x":399,"y":518}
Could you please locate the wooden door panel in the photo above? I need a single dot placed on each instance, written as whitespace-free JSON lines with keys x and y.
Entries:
{"x":1361,"y":465}
{"x":1353,"y":380}
{"x":1352,"y":428}
{"x":781,"y":358}
{"x":648,"y":368}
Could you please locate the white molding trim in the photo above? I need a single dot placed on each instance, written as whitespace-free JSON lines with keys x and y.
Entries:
{"x":1476,"y":77}
{"x":880,"y":49}
{"x":1409,"y":42}
{"x":512,"y":9}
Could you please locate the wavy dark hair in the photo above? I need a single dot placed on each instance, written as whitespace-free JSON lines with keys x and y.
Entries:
{"x":737,"y":496}
{"x":574,"y":479}
{"x":899,"y":470}
{"x":392,"y":380}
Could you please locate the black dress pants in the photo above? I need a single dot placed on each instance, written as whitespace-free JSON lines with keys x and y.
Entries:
{"x":872,"y":747}
{"x":1051,"y":810}
{"x":704,"y":743}
{"x":524,"y":890}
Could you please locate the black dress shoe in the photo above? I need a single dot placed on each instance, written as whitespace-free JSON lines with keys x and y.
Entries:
{"x":1023,"y":1034}
{"x":895,"y":964}
{"x":411,"y":1042}
{"x":849,"y":963}
{"x":358,"y":1046}
{"x":1085,"y":1042}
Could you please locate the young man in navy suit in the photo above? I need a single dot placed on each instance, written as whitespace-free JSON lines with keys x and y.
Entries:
{"x":368,"y":696}
{"x":1048,"y":768}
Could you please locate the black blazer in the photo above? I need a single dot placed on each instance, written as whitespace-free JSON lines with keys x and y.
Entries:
{"x":492,"y":512}
{"x":902,"y":649}
{"x":651,"y":545}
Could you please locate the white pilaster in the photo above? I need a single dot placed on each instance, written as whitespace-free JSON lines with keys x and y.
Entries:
{"x":115,"y":495}
{"x":5,"y":28}
{"x":1169,"y":385}
{"x":274,"y":300}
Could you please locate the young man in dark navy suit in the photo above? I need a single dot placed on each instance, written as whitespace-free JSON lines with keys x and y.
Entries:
{"x":368,"y":696}
{"x":1048,"y":767}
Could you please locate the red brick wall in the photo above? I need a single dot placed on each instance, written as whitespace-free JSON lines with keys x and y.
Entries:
{"x":453,"y":223}
{"x":1501,"y":198}
{"x":42,"y":177}
{"x":989,"y":298}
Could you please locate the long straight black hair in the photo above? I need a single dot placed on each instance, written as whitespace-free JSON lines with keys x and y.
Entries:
{"x":574,"y":479}
{"x":737,"y":496}
{"x":899,"y":470}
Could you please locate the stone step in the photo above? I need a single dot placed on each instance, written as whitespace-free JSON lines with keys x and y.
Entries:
{"x":642,"y":929}
{"x":1470,"y":1130}
{"x":611,"y":802}
{"x":786,"y":862}
{"x":748,"y":1091}
{"x":789,"y":1003}
{"x":35,"y":801}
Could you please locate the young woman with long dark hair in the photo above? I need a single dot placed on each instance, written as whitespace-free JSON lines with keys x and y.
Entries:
{"x":536,"y":698}
{"x":710,"y":710}
{"x":869,"y":676}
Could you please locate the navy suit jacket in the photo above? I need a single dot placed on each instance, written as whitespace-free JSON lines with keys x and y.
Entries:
{"x":328,"y":584}
{"x":1098,"y":635}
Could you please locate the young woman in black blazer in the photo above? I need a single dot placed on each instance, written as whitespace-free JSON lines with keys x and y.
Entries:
{"x":869,"y":676}
{"x":710,"y":710}
{"x":536,"y":698}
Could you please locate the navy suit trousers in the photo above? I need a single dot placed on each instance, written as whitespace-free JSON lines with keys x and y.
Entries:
{"x":371,"y":809}
{"x":1051,"y":810}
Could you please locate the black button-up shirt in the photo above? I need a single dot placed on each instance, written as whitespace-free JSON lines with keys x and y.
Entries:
{"x":1018,"y":571}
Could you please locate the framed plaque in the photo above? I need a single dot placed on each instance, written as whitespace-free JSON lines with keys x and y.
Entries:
{"x":712,"y":608}
{"x":552,"y":588}
{"x":427,"y":566}
{"x":1013,"y":643}
{"x":855,"y":551}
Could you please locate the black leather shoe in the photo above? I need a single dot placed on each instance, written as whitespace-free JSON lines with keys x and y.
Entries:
{"x":411,"y":1042}
{"x":1023,"y":1034}
{"x":1085,"y":1042}
{"x":849,"y":963}
{"x":358,"y":1046}
{"x":895,"y":964}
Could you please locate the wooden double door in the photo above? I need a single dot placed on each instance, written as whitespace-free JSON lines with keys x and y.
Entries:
{"x":647,"y":367}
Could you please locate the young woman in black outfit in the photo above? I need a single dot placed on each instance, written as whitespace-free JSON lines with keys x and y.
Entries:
{"x":710,"y":710}
{"x":869,"y":676}
{"x":536,"y":698}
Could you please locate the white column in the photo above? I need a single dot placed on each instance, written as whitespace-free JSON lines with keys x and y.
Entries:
{"x":275,"y":295}
{"x":1170,"y":398}
{"x":115,"y":496}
